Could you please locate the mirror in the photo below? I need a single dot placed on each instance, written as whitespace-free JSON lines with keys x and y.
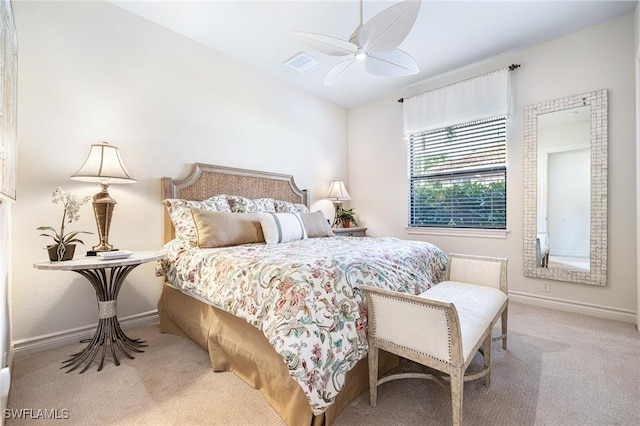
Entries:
{"x":565,"y":189}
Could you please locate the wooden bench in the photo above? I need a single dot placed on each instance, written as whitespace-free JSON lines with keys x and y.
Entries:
{"x":442,"y":328}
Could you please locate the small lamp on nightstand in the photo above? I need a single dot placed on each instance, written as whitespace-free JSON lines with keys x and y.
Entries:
{"x":337,"y":194}
{"x":103,"y":166}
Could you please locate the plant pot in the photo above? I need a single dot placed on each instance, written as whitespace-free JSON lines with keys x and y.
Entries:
{"x":54,"y":256}
{"x":346,"y":223}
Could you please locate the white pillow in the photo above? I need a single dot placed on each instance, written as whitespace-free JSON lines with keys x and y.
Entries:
{"x":282,"y":227}
{"x":180,"y":213}
{"x":289,"y":207}
{"x":240,"y":204}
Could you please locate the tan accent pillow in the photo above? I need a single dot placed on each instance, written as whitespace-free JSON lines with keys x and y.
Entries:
{"x":224,"y":229}
{"x":316,"y":225}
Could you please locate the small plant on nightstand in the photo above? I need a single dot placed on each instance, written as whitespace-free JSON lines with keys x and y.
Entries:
{"x":64,"y":246}
{"x":346,"y":217}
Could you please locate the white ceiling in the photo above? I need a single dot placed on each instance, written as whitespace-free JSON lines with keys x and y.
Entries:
{"x":447,"y":35}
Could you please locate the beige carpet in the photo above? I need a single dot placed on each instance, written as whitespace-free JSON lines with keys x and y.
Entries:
{"x":560,"y":369}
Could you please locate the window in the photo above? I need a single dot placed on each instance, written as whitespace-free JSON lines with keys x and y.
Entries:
{"x":458,"y":176}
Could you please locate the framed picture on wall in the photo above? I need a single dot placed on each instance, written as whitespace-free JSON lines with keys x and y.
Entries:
{"x":8,"y":100}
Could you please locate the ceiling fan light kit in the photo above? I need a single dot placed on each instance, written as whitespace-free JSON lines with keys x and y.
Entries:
{"x":374,"y":42}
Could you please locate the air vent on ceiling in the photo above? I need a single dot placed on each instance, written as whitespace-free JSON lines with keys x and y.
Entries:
{"x":302,"y":62}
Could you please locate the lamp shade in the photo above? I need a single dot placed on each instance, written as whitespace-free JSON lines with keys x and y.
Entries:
{"x":103,"y":165}
{"x":337,"y":191}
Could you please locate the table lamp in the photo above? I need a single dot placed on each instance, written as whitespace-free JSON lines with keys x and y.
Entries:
{"x":103,"y":166}
{"x":337,"y":194}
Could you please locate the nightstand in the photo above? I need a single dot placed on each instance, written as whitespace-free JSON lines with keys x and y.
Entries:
{"x":357,"y":231}
{"x":106,"y":277}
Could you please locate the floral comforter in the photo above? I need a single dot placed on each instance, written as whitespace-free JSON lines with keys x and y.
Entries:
{"x":304,"y":295}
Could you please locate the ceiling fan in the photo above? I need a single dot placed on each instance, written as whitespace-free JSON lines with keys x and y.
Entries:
{"x":376,"y":43}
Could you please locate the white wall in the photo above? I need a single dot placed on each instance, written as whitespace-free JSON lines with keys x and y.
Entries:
{"x":6,"y":349}
{"x":569,"y":202}
{"x":601,"y":57}
{"x":637,"y":48}
{"x":91,"y":72}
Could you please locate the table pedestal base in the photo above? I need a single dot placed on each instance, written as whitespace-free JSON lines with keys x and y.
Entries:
{"x":108,"y":337}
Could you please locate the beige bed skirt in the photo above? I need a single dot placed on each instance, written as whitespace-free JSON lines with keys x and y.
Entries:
{"x":234,"y":345}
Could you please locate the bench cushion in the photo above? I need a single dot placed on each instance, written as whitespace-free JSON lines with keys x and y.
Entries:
{"x":477,"y":307}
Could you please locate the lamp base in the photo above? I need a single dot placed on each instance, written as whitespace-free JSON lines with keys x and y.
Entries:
{"x":336,"y":222}
{"x":103,"y":205}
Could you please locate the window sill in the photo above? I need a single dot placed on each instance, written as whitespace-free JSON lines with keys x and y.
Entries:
{"x":460,"y":232}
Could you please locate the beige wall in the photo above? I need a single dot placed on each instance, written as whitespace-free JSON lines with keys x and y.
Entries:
{"x":601,"y":57}
{"x":88,"y":72}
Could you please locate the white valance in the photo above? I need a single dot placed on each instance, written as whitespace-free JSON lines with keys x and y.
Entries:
{"x":478,"y":98}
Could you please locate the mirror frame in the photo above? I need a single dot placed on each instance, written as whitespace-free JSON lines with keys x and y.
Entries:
{"x":597,"y":274}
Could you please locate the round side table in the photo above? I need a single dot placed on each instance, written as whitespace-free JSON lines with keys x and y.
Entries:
{"x":106,"y":277}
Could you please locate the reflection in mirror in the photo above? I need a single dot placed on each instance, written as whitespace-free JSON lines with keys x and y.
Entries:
{"x":565,"y":232}
{"x":564,"y":182}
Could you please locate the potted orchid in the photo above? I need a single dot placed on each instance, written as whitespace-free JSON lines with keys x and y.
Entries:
{"x":64,"y":246}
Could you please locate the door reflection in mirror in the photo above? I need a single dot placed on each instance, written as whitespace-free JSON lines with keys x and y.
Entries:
{"x":564,"y":186}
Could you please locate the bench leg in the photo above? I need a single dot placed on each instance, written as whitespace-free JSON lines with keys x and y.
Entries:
{"x":457,"y":384}
{"x":373,"y":374}
{"x":486,"y":354}
{"x":504,"y":328}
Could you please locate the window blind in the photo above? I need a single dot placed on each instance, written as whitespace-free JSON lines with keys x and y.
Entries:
{"x":457,"y":176}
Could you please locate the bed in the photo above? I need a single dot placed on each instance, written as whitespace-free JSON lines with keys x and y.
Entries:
{"x":288,"y":318}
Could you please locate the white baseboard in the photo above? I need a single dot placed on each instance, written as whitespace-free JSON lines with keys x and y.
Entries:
{"x":45,"y":342}
{"x":605,"y":312}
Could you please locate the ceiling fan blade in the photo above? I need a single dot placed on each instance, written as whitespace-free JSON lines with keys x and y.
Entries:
{"x":396,"y":63}
{"x":324,"y":44}
{"x":336,"y":73}
{"x":386,"y":30}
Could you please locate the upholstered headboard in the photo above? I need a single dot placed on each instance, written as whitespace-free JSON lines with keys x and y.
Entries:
{"x":207,"y":180}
